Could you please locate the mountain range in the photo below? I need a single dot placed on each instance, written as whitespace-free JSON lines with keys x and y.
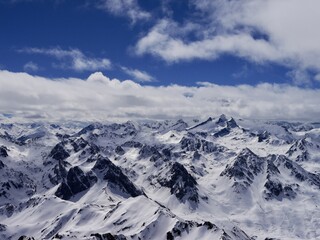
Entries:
{"x":222,"y":178}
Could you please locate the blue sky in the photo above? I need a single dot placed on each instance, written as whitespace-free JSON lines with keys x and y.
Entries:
{"x":159,"y":44}
{"x":99,"y":32}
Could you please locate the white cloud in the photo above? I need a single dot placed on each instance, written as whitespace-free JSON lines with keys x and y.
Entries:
{"x":73,"y":59}
{"x":172,"y":49}
{"x":285,"y":32}
{"x":138,"y":75}
{"x":317,"y":77}
{"x":242,"y":73}
{"x":128,"y":8}
{"x":101,"y":98}
{"x":31,"y":67}
{"x":300,"y":77}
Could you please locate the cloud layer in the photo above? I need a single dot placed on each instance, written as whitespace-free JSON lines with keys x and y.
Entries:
{"x":101,"y":98}
{"x":138,"y":75}
{"x":126,"y":8}
{"x":31,"y":67}
{"x":284,"y":32}
{"x":71,"y":59}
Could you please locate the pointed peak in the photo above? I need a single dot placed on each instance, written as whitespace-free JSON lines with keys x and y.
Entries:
{"x":201,"y":123}
{"x":247,"y":151}
{"x":222,"y":119}
{"x":232,"y":123}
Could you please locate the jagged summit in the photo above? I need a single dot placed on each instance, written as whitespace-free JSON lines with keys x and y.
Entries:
{"x":221,"y":120}
{"x":219,"y":126}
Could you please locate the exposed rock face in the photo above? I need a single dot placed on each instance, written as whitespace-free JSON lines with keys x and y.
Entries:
{"x":3,"y":151}
{"x":181,"y":183}
{"x":132,"y":144}
{"x":7,"y":209}
{"x":23,"y":237}
{"x":149,"y":151}
{"x":1,"y":164}
{"x":221,"y":120}
{"x":227,"y":125}
{"x":58,"y":172}
{"x":277,"y":189}
{"x":59,"y":153}
{"x":232,"y":124}
{"x":76,"y":181}
{"x":194,"y":144}
{"x":298,"y":172}
{"x":300,"y":150}
{"x":180,"y":125}
{"x":12,"y":182}
{"x":166,"y":152}
{"x":263,"y":136}
{"x":64,"y":192}
{"x":301,"y":145}
{"x":244,"y":168}
{"x":119,"y":150}
{"x":223,"y":132}
{"x":79,"y":144}
{"x":108,"y":236}
{"x":114,"y":176}
{"x":89,"y":128}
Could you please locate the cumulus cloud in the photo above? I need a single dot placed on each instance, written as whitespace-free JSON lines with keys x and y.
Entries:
{"x":101,"y":98}
{"x":73,"y":59}
{"x":31,"y":67}
{"x":159,"y":42}
{"x":138,"y":75}
{"x":284,"y":32}
{"x":127,"y":8}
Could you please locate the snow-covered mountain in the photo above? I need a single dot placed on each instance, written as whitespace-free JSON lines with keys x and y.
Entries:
{"x":222,"y":178}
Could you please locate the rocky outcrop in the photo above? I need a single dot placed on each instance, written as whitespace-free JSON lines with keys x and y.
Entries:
{"x":277,"y":190}
{"x":232,"y":124}
{"x":57,"y":172}
{"x":263,"y":136}
{"x":195,"y":144}
{"x":79,"y":144}
{"x":227,"y":125}
{"x":297,"y":171}
{"x":59,"y":153}
{"x":108,"y":236}
{"x":243,"y":169}
{"x":245,"y":166}
{"x":180,"y":182}
{"x":104,"y":169}
{"x":149,"y":152}
{"x":75,"y":182}
{"x":23,"y":237}
{"x":3,"y":151}
{"x":132,"y":144}
{"x":119,"y":150}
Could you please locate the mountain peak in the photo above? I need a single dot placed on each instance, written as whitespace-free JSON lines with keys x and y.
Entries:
{"x":221,"y":120}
